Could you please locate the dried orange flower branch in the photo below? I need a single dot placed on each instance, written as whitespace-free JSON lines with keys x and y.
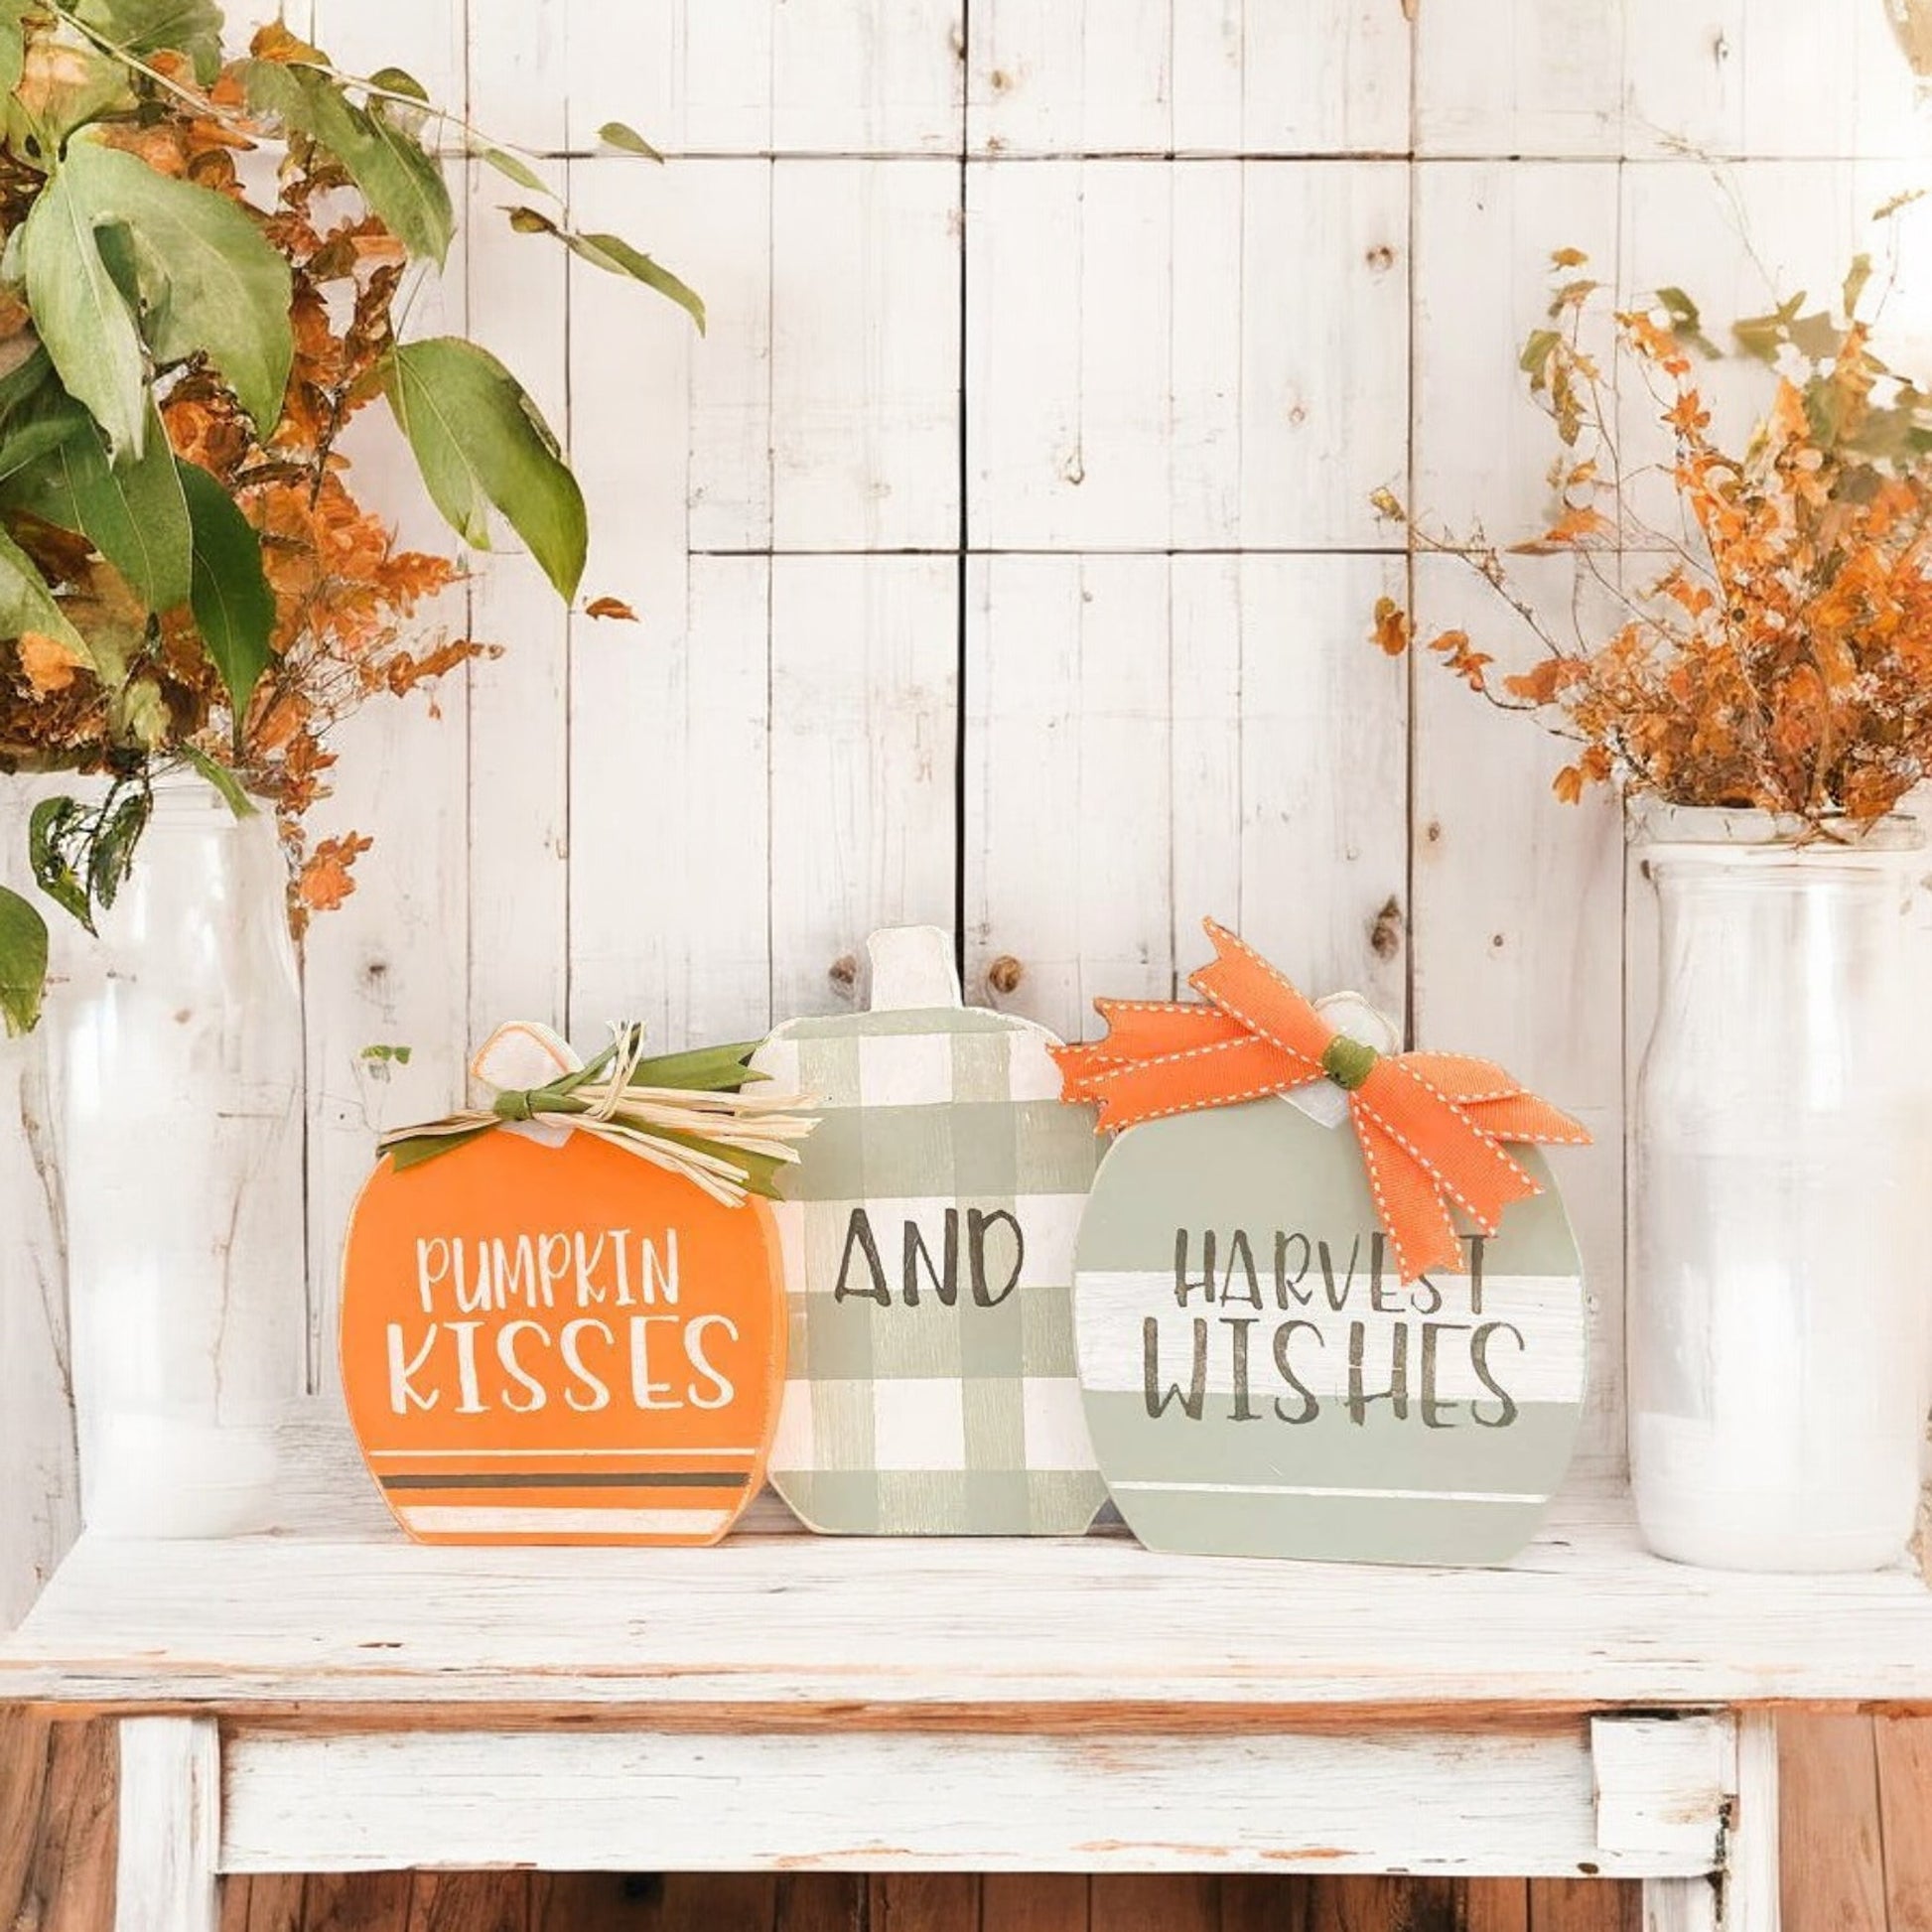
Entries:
{"x":1779,"y":655}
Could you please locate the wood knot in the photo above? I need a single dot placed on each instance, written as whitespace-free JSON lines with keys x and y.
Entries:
{"x":1381,"y":258}
{"x":1385,"y":935}
{"x":1003,"y":975}
{"x":844,"y":973}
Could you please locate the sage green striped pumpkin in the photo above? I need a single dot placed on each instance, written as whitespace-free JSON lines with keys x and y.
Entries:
{"x":1257,"y":1382}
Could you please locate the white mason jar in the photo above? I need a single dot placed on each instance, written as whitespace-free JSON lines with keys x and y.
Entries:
{"x":177,"y":1070}
{"x":1779,"y":1190}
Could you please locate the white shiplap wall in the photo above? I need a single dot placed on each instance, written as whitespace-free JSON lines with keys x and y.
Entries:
{"x":1003,"y":554}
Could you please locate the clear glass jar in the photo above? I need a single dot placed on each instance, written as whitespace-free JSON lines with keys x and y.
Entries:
{"x":176,"y":1057}
{"x":1778,"y":1219}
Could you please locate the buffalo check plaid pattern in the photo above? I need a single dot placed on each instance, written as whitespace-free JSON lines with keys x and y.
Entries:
{"x":934,"y":1415}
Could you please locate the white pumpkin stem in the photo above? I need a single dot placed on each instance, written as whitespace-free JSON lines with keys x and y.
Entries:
{"x":912,"y":967}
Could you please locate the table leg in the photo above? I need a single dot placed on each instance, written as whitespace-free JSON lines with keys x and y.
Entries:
{"x":1743,"y":1897}
{"x":169,"y":1825}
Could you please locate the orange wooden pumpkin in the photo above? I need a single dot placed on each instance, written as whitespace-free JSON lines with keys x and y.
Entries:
{"x":560,"y":1343}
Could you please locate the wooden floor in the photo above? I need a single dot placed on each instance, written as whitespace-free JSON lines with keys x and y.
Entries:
{"x":1857,"y":1846}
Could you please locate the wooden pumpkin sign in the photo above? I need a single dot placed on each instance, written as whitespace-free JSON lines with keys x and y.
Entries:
{"x":928,"y":1233}
{"x":546,"y":1338}
{"x":1286,"y":1347}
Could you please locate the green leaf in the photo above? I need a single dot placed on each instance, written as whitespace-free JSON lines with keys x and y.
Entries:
{"x":23,"y":963}
{"x":26,"y":603}
{"x":1855,"y":284}
{"x":208,"y":283}
{"x":55,"y":826}
{"x":13,"y":47}
{"x":222,"y":779}
{"x":480,"y":440}
{"x":401,"y":183}
{"x":132,"y":511}
{"x":1816,"y":337}
{"x":1686,"y":324}
{"x":614,"y":134}
{"x":514,"y":170}
{"x":190,"y":26}
{"x":1536,"y":350}
{"x":399,"y":80}
{"x":616,"y":257}
{"x":31,"y":431}
{"x":110,"y":854}
{"x":234,"y":610}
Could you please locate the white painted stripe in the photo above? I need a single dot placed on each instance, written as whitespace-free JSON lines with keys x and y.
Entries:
{"x":601,"y":1456}
{"x":1111,"y":1310}
{"x":550,"y":1522}
{"x":1357,"y":1495}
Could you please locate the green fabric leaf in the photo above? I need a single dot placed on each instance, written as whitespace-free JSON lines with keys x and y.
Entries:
{"x":401,"y":183}
{"x":703,"y":1070}
{"x":190,"y":26}
{"x":480,"y":440}
{"x":133,"y":511}
{"x":426,"y":1147}
{"x":208,"y":280}
{"x":616,"y":257}
{"x":23,"y":963}
{"x":26,"y":603}
{"x":626,"y":140}
{"x":234,"y":610}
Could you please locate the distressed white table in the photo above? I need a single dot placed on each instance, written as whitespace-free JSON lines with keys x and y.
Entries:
{"x":332,"y":1697}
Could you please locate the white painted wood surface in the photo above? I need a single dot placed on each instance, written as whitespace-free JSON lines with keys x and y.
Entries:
{"x":1461,"y":1803}
{"x":338,"y":1611}
{"x":169,"y":1825}
{"x":1161,"y":289}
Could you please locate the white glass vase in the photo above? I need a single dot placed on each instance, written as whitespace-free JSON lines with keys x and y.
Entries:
{"x":1778,"y":1225}
{"x":176,"y":1059}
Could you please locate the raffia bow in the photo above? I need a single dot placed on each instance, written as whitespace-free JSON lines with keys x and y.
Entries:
{"x":681,"y":1112}
{"x":1430,"y":1125}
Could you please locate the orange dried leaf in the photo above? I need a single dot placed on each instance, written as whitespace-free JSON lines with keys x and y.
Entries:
{"x":325,"y":881}
{"x":1393,"y":629}
{"x":47,"y":665}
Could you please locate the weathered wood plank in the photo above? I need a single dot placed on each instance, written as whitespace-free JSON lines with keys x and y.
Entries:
{"x":169,"y":1825}
{"x":1145,"y":373}
{"x":1155,"y":713}
{"x":518,"y":718}
{"x":1187,"y":76}
{"x":1829,"y":1802}
{"x":1178,"y":1902}
{"x":863,"y":694}
{"x":1904,"y":1816}
{"x":1038,"y":1901}
{"x":923,"y":1901}
{"x":1525,"y":77}
{"x":357,"y":1901}
{"x":469,"y":1901}
{"x":865,"y":263}
{"x":1448,"y":1803}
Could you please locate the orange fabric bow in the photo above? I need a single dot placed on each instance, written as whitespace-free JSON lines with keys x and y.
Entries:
{"x":1430,"y":1125}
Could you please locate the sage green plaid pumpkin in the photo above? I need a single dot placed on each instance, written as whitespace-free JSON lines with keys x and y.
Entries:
{"x":927,"y":1235}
